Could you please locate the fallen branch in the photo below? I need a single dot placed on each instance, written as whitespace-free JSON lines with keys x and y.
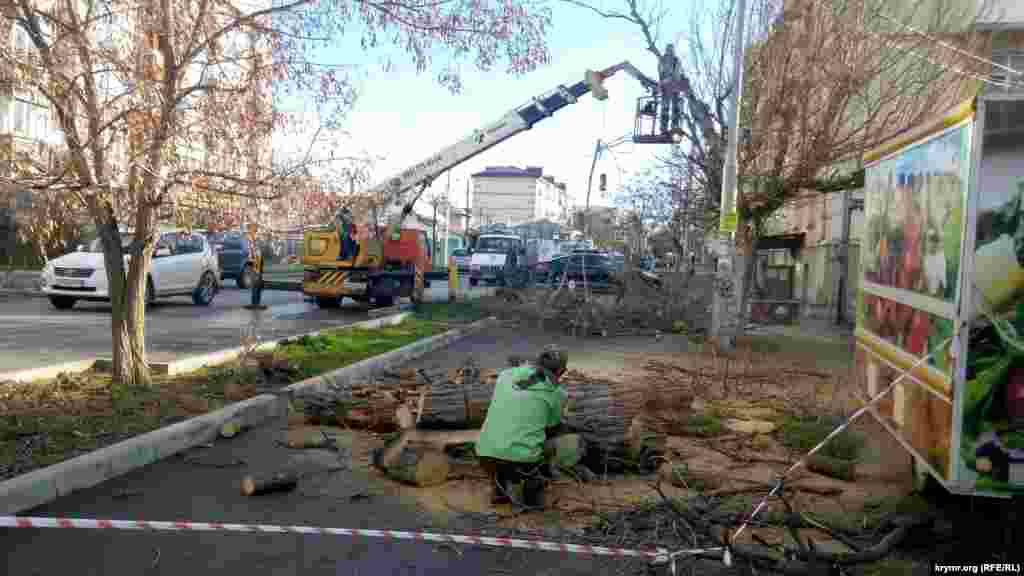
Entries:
{"x":807,"y":560}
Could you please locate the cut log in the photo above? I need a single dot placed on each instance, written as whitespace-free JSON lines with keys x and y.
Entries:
{"x":833,"y":467}
{"x":276,"y":482}
{"x":419,"y":466}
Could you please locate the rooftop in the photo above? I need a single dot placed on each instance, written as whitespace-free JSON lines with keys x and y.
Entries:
{"x":510,"y":172}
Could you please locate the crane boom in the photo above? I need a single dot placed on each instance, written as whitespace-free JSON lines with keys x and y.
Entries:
{"x":517,"y":120}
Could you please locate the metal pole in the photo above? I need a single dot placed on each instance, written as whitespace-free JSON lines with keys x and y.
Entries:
{"x":724,"y":334}
{"x":590,"y":185}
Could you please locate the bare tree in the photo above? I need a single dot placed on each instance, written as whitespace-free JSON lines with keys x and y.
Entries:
{"x":826,"y":81}
{"x":156,"y":98}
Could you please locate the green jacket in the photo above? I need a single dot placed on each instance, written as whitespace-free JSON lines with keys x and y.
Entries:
{"x":518,"y":415}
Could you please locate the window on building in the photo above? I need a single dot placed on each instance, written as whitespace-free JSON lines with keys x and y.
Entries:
{"x":5,"y":113}
{"x":21,"y":39}
{"x":22,"y":115}
{"x":1013,"y":59}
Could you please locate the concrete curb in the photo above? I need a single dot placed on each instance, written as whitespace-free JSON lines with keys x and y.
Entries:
{"x":190,"y":363}
{"x":363,"y":369}
{"x":42,"y":486}
{"x":47,"y":372}
{"x":193,"y":363}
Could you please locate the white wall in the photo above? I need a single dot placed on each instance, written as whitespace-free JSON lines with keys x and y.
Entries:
{"x":500,"y":199}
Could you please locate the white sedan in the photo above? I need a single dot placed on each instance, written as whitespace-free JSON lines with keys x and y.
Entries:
{"x":183,"y":265}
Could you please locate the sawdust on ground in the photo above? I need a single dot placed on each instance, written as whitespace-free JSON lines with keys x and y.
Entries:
{"x":748,"y":387}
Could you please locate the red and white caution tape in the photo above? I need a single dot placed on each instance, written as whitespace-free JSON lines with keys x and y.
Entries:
{"x":656,"y":554}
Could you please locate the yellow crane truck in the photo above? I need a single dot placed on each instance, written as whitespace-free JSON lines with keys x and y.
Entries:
{"x":370,"y":264}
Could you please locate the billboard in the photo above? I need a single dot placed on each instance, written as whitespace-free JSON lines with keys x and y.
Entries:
{"x":992,"y":418}
{"x":915,"y":204}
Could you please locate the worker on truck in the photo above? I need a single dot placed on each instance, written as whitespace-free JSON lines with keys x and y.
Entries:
{"x":516,"y":440}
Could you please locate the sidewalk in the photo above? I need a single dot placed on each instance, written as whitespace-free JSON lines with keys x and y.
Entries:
{"x":807,"y":327}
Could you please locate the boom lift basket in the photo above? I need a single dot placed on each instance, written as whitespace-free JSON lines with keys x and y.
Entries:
{"x":647,"y":128}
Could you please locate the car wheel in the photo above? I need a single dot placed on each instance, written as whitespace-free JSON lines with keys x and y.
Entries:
{"x":327,"y":302}
{"x":62,"y":302}
{"x":384,"y":301}
{"x":245,"y":278}
{"x":203,"y":294}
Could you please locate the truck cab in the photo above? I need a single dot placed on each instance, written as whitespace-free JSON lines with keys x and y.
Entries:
{"x":496,"y":259}
{"x":375,"y":268}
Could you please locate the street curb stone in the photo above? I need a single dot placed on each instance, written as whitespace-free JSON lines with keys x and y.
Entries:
{"x":365,"y":368}
{"x":193,"y":363}
{"x":42,"y":486}
{"x":187,"y":364}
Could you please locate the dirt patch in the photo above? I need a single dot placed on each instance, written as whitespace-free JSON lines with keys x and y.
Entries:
{"x":728,"y":442}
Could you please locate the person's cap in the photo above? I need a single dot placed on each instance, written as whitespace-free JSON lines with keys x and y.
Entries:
{"x":553,"y":358}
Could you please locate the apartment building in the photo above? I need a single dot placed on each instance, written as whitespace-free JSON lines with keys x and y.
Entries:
{"x":30,"y":128}
{"x":511,"y":196}
{"x":819,"y":218}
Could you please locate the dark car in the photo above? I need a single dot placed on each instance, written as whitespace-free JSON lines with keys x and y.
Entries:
{"x":462,"y":259}
{"x":598,"y":269}
{"x":233,"y":251}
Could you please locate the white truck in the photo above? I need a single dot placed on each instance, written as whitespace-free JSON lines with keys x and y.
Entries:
{"x":497,"y":259}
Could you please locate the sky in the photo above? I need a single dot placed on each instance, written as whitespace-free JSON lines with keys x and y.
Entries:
{"x":406,"y":117}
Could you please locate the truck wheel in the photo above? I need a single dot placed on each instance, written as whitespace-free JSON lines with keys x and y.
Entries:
{"x":62,"y":302}
{"x":245,"y":278}
{"x":327,"y":302}
{"x":384,"y":301}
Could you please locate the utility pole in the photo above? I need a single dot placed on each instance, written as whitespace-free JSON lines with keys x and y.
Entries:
{"x":590,"y":185}
{"x":844,"y":255}
{"x":726,"y":314}
{"x":447,"y":216}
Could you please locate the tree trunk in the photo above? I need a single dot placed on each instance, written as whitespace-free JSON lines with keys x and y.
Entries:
{"x":127,"y":304}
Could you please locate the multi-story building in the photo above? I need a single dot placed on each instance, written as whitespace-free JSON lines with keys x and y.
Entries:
{"x":29,"y":126}
{"x":510,"y":195}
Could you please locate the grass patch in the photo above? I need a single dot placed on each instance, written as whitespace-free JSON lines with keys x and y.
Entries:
{"x":46,"y":422}
{"x":703,"y":426}
{"x":336,"y":349}
{"x":804,"y":434}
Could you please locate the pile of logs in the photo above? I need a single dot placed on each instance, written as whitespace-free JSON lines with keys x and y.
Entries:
{"x":606,"y":413}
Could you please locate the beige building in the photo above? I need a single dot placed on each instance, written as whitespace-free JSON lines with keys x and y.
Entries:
{"x":819,"y":280}
{"x":29,"y":126}
{"x":510,"y":195}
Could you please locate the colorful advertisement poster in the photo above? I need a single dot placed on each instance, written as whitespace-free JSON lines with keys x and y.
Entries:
{"x":915,"y":200}
{"x":914,"y":206}
{"x":992,"y":426}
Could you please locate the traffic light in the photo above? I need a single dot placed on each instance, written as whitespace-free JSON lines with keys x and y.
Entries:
{"x":603,"y":182}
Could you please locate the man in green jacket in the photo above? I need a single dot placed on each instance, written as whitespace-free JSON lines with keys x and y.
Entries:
{"x":525,"y":411}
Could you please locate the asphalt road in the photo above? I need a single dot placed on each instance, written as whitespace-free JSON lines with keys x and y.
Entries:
{"x":203,"y":485}
{"x":34,"y":334}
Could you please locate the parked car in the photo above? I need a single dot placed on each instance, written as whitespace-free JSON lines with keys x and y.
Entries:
{"x":183,"y":264}
{"x":233,"y":250}
{"x":598,"y":269}
{"x":462,"y":259}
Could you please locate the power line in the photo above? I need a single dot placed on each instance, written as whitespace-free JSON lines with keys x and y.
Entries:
{"x":950,"y":68}
{"x":956,"y":70}
{"x":949,"y":46}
